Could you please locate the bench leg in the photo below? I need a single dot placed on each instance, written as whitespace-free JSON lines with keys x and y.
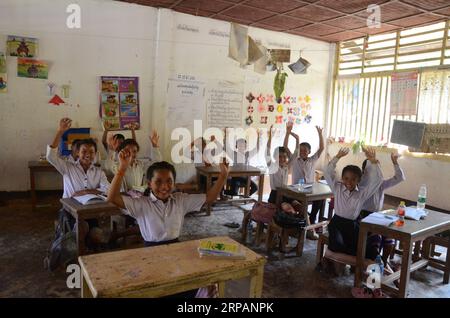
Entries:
{"x":259,"y":233}
{"x":245,"y":221}
{"x":320,"y":250}
{"x":300,"y":242}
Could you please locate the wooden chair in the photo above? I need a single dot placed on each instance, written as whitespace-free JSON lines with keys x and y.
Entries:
{"x":260,"y":226}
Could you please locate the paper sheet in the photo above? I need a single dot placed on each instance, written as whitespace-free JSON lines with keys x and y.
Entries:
{"x":380,"y":219}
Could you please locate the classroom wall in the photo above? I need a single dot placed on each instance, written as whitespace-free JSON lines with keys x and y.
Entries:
{"x":434,"y":173}
{"x":114,"y":39}
{"x":128,"y":40}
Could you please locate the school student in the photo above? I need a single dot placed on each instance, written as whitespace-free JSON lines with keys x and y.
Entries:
{"x":303,"y":168}
{"x":376,"y":201}
{"x":135,"y":176}
{"x":349,"y":197}
{"x":80,"y":177}
{"x":111,"y":143}
{"x":160,"y":215}
{"x":73,"y":157}
{"x":279,"y":170}
{"x":242,"y":156}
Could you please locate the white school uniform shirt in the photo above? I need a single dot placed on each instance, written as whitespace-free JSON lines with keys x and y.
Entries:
{"x":304,"y":169}
{"x":111,"y":160}
{"x":135,"y":174}
{"x":376,"y":201}
{"x":74,"y":177}
{"x":279,"y":177}
{"x":348,"y":204}
{"x":162,"y":221}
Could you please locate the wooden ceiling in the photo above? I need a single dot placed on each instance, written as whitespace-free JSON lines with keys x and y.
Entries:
{"x":327,"y":20}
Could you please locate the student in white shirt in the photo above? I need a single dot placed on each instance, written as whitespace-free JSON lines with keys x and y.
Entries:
{"x":160,"y":215}
{"x":75,"y":147}
{"x":376,"y":201}
{"x":80,"y":177}
{"x":304,"y":168}
{"x":187,"y":172}
{"x":349,"y":197}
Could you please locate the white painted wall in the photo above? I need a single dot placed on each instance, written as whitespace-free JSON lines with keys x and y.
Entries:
{"x":131,"y":40}
{"x":435,"y":174}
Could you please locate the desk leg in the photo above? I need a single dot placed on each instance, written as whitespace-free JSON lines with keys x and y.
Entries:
{"x":447,"y":263}
{"x":33,"y":190}
{"x":405,"y":271}
{"x":260,"y":187}
{"x":208,"y":186}
{"x":256,"y":283}
{"x":247,"y":187}
{"x":360,"y":256}
{"x":81,"y":234}
{"x":221,"y":289}
{"x":85,"y":291}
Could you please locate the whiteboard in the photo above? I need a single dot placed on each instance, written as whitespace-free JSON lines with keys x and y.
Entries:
{"x":407,"y":133}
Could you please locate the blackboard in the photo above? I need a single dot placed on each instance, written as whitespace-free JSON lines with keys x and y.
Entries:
{"x":407,"y":133}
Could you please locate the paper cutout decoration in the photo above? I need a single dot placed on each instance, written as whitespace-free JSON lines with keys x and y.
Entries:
{"x":293,"y":100}
{"x":65,"y":90}
{"x":3,"y":83}
{"x":308,"y":119}
{"x":296,"y":111}
{"x":298,"y":121}
{"x":32,"y":68}
{"x":261,"y":108}
{"x":271,"y":108}
{"x":56,"y":100}
{"x":290,"y":110}
{"x":250,"y":97}
{"x":2,"y":63}
{"x":242,"y":48}
{"x":280,"y":108}
{"x":278,"y":119}
{"x":279,"y":55}
{"x":260,"y":99}
{"x":307,"y":98}
{"x":287,"y":100}
{"x":269,"y":98}
{"x":51,"y":88}
{"x":22,"y":46}
{"x":263,"y":120}
{"x":250,"y":109}
{"x":300,"y":66}
{"x":249,"y":120}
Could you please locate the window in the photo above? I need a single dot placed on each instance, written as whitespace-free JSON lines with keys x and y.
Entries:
{"x":360,"y":103}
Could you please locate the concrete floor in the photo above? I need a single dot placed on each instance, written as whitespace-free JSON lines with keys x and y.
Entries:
{"x":25,"y":237}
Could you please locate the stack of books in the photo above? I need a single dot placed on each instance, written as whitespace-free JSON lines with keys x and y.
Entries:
{"x":220,"y":250}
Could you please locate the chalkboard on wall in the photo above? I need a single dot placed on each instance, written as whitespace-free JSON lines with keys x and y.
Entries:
{"x":407,"y":133}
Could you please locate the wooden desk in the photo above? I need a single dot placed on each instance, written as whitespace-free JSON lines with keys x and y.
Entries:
{"x":234,"y":171}
{"x":319,"y":192}
{"x":86,"y":212}
{"x":412,"y":231}
{"x":37,"y":166}
{"x":165,"y":270}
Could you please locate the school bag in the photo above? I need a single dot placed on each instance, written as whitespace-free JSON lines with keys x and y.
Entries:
{"x":263,"y":212}
{"x":289,"y":220}
{"x":64,"y":249}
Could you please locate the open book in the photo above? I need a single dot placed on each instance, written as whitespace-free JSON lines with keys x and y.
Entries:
{"x":90,"y":199}
{"x":380,"y":219}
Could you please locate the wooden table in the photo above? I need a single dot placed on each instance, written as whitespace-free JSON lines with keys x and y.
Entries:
{"x":166,"y":270}
{"x":37,"y":166}
{"x":86,"y":212}
{"x":234,"y":171}
{"x":319,"y":192}
{"x":411,"y":232}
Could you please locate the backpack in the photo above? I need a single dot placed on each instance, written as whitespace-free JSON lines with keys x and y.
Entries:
{"x":288,"y":220}
{"x":263,"y":212}
{"x":64,"y":249}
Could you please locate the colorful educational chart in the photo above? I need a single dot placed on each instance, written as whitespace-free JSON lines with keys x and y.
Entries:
{"x":262,"y":110}
{"x":404,"y":94}
{"x":119,"y":102}
{"x":32,"y":68}
{"x":21,"y":46}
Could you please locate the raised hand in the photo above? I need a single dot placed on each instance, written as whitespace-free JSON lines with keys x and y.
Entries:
{"x":289,"y":126}
{"x":319,"y":130}
{"x":370,"y":154}
{"x":124,"y":159}
{"x":342,"y":152}
{"x":394,"y":158}
{"x":154,"y":138}
{"x":224,"y":168}
{"x":65,"y":124}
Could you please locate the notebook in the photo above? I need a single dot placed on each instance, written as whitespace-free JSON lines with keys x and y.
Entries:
{"x":380,"y":219}
{"x":220,"y":250}
{"x":90,"y":199}
{"x":412,"y":212}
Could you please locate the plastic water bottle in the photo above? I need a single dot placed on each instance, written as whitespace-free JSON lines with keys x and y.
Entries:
{"x":401,"y":214}
{"x":380,"y":263}
{"x":421,"y":200}
{"x":301,"y":182}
